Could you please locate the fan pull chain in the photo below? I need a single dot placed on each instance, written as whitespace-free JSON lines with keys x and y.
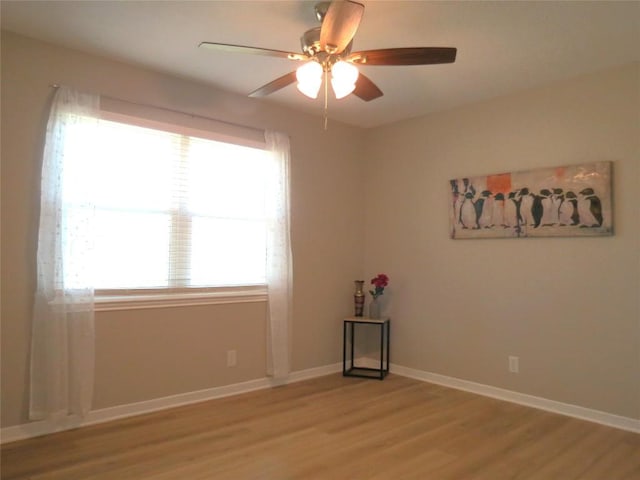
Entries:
{"x":326,"y":98}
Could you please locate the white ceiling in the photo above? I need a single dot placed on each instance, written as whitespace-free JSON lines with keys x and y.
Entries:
{"x":503,"y":46}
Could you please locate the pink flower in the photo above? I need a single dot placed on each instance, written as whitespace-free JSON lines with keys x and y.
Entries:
{"x":379,"y":282}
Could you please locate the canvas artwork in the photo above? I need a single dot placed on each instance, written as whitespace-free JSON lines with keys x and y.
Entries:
{"x":573,"y":200}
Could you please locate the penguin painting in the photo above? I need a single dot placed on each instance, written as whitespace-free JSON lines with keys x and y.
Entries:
{"x":589,"y":209}
{"x":569,"y":210}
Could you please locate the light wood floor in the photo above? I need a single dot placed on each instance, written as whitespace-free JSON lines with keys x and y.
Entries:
{"x":335,"y":428}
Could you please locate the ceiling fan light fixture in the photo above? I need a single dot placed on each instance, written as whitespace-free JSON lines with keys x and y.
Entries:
{"x":343,"y":78}
{"x":309,"y":78}
{"x":325,"y":48}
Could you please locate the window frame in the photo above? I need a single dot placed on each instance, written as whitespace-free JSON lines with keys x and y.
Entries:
{"x":136,"y":299}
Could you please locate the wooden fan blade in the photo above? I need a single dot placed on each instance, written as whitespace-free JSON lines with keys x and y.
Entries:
{"x":405,"y":56}
{"x":340,"y":25}
{"x":275,"y":85}
{"x":225,"y":47}
{"x":366,"y":89}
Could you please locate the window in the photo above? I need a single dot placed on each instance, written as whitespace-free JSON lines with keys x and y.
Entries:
{"x":171,"y":210}
{"x":164,"y":209}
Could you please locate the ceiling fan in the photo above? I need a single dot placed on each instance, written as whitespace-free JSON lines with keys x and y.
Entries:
{"x":327,"y":49}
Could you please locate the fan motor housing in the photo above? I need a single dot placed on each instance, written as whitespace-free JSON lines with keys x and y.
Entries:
{"x":310,"y":41}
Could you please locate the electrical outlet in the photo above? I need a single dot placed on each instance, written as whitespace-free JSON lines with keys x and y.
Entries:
{"x":514,"y":364}
{"x":232,"y":358}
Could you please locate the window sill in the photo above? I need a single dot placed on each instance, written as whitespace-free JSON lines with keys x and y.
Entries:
{"x":111,"y":302}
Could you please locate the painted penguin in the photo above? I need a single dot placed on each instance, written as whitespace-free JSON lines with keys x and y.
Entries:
{"x":468,"y":212}
{"x":518,"y":201}
{"x":537,"y":209}
{"x":478,"y":206}
{"x":470,"y":189}
{"x":462,"y":197}
{"x":557,"y":198}
{"x":512,"y":210}
{"x":456,"y":201}
{"x":525,"y":206}
{"x":569,"y":210}
{"x":589,"y":209}
{"x":497,"y":212}
{"x":486,"y":211}
{"x":547,"y":208}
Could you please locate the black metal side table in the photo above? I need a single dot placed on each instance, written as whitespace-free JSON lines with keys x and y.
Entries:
{"x":349,"y":369}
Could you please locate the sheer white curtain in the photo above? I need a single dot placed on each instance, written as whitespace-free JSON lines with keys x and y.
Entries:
{"x":62,"y":348}
{"x":279,"y":260}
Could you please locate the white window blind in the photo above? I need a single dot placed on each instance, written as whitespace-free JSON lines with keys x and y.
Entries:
{"x":172,"y":210}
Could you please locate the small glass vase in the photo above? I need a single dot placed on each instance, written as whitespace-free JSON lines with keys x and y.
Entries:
{"x":374,"y":309}
{"x":358,"y":298}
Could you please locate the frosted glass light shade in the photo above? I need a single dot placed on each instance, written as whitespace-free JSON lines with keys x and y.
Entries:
{"x":309,"y":78}
{"x":343,"y":78}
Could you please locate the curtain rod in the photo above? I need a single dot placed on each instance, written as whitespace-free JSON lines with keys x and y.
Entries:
{"x":171,"y":110}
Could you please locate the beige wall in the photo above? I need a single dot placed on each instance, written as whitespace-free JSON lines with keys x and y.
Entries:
{"x":568,"y":307}
{"x":146,"y":354}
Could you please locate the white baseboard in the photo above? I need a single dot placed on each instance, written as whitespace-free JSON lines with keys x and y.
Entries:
{"x":35,"y":429}
{"x":597,"y":416}
{"x":310,"y":373}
